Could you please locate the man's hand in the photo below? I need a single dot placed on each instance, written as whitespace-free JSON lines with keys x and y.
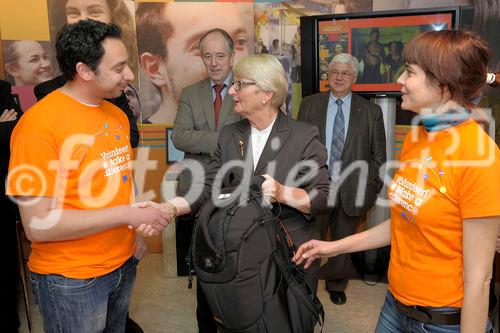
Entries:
{"x":167,"y":211}
{"x":8,"y":115}
{"x":148,"y":219}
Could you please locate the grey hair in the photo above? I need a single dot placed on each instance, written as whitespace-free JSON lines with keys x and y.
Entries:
{"x":345,"y":58}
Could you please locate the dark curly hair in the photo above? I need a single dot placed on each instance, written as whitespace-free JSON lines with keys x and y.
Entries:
{"x":82,"y":42}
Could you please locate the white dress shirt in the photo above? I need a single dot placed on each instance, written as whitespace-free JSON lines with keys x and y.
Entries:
{"x":259,"y":139}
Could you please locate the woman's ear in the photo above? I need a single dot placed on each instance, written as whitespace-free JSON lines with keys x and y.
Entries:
{"x":12,"y":70}
{"x":268,"y":96}
{"x":151,"y":65}
{"x":445,"y":94}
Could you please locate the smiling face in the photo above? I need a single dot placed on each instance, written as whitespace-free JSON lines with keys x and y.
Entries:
{"x":113,"y":74}
{"x":98,"y":10}
{"x":33,"y":66}
{"x":420,"y":95}
{"x":341,"y":78}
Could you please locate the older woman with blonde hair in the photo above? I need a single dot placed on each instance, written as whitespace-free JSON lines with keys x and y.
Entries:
{"x":271,"y":144}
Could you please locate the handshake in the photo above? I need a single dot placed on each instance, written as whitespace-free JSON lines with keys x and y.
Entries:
{"x":150,"y":218}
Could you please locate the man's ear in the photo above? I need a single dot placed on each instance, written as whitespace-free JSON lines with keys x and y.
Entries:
{"x":84,"y":71}
{"x":151,"y":65}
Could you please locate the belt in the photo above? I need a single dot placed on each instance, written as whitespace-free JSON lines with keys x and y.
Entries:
{"x":428,"y":315}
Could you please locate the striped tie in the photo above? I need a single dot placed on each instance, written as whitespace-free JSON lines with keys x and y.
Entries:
{"x":337,"y":142}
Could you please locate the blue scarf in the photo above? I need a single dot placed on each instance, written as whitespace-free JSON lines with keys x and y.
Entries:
{"x":441,"y":121}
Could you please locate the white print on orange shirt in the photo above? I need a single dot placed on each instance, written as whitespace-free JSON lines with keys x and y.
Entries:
{"x":408,"y":195}
{"x":116,"y":160}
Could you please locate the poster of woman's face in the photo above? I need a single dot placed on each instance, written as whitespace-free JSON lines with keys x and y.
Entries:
{"x":118,"y":12}
{"x":26,"y":62}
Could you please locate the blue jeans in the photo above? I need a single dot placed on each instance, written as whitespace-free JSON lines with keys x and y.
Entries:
{"x":85,"y":305}
{"x":393,"y":321}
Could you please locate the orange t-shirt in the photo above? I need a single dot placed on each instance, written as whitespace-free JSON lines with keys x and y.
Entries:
{"x":81,"y":155}
{"x":445,"y":177}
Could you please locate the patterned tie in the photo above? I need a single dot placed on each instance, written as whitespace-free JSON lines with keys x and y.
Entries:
{"x":337,"y":142}
{"x":218,"y":102}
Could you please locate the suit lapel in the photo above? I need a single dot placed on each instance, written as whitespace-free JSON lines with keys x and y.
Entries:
{"x":242,"y":140}
{"x":321,"y":111}
{"x":277,"y":138}
{"x":207,"y":103}
{"x":227,"y":106}
{"x":354,"y":119}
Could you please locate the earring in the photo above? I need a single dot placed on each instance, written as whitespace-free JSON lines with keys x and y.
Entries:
{"x":264,"y":102}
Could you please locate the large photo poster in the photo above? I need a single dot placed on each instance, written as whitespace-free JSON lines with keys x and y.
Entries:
{"x":377,"y":43}
{"x":119,"y":12}
{"x":169,"y":59}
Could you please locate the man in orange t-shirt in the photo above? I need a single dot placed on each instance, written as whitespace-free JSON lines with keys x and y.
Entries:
{"x":70,"y":170}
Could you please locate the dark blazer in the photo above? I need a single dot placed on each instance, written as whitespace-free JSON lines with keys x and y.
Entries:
{"x":289,"y":143}
{"x":7,"y":102}
{"x":45,"y":88}
{"x":365,"y":141}
{"x":194,"y":130}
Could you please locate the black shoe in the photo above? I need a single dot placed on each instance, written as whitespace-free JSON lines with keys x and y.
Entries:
{"x":132,"y":327}
{"x":337,"y":297}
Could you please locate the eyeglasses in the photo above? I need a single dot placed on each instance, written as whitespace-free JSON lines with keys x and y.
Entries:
{"x":341,"y":74}
{"x":241,"y":84}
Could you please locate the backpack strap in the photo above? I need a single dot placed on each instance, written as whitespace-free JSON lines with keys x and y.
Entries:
{"x":294,"y":275}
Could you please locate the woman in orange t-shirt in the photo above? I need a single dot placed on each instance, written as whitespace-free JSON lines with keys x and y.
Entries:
{"x":445,"y":197}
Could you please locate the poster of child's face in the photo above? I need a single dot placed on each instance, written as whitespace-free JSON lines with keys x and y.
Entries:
{"x":26,"y":62}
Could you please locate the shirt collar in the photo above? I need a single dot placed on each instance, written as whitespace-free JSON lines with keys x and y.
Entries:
{"x":345,"y":100}
{"x":227,"y":81}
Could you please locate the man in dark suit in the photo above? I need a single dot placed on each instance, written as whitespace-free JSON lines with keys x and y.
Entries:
{"x":9,"y":115}
{"x":352,"y":129}
{"x":45,"y":88}
{"x":204,"y":108}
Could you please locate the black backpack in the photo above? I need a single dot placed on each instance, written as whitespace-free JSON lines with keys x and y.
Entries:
{"x":242,"y":254}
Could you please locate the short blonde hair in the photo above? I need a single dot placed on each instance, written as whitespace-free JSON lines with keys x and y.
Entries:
{"x":267,"y":73}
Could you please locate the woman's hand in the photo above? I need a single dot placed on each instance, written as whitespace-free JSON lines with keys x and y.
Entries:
{"x":313,"y":249}
{"x":272,"y":189}
{"x":8,"y":115}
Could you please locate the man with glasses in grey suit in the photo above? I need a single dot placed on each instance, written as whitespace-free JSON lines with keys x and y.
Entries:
{"x":352,"y":129}
{"x":204,"y":108}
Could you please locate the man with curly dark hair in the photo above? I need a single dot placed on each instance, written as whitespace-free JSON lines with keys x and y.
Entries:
{"x":77,"y":208}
